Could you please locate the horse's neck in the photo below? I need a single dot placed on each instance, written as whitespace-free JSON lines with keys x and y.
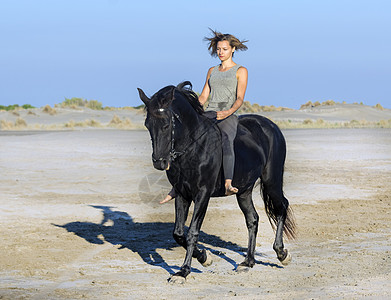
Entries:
{"x":193,"y":123}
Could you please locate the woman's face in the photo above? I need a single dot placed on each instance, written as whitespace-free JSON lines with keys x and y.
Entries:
{"x":224,"y":50}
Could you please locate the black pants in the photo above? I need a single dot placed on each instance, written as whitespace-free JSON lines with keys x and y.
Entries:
{"x":228,"y":128}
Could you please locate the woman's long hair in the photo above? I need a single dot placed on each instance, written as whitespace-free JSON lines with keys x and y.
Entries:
{"x":218,"y":37}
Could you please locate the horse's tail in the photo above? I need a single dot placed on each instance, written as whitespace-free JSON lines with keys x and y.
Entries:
{"x":276,"y":205}
{"x":273,"y":214}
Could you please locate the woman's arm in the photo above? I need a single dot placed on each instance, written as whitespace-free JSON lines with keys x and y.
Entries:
{"x":242,"y":76}
{"x":206,"y":90}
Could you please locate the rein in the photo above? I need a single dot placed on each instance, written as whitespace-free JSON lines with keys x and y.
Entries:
{"x":173,"y":153}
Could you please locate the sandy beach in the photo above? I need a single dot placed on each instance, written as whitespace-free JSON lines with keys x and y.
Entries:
{"x":80,"y":219}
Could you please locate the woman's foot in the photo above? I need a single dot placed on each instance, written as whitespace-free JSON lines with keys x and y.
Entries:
{"x":230,"y":190}
{"x":167,"y":199}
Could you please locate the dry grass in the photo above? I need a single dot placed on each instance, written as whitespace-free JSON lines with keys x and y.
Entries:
{"x":49,"y":110}
{"x":309,"y":104}
{"x":6,"y":125}
{"x":17,"y":125}
{"x":248,"y":108}
{"x":77,"y":103}
{"x":87,"y":123}
{"x":124,"y":123}
{"x":320,"y":123}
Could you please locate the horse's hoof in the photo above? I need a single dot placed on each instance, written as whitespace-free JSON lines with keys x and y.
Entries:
{"x":242,"y":269}
{"x":287,"y":259}
{"x":208,"y":260}
{"x":175,"y":279}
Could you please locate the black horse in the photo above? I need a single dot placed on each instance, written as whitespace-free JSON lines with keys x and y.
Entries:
{"x":187,"y":144}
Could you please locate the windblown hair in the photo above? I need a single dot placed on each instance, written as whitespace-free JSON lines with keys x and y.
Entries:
{"x":218,"y":37}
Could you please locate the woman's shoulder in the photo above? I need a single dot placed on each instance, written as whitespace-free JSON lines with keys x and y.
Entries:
{"x":210,"y":70}
{"x":240,"y":67}
{"x":242,"y":70}
{"x":213,"y":68}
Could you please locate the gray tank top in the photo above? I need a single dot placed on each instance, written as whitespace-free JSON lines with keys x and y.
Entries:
{"x":223,"y":86}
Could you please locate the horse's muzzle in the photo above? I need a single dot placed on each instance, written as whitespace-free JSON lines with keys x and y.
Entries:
{"x":161,"y":164}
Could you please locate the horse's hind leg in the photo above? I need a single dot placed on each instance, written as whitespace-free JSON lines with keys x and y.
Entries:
{"x":278,"y":210}
{"x":282,"y":254}
{"x":246,"y":204}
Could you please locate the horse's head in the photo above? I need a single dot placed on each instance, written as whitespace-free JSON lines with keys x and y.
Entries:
{"x":171,"y":117}
{"x":159,"y":124}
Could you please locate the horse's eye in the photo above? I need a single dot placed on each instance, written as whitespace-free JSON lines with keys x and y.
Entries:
{"x":165,"y":127}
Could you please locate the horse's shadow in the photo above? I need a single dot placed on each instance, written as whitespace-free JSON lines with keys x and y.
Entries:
{"x":118,"y":228}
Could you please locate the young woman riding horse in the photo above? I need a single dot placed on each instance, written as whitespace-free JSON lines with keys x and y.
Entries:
{"x":188,"y":145}
{"x":226,"y":85}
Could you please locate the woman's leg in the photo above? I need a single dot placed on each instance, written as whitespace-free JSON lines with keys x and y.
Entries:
{"x":228,"y":128}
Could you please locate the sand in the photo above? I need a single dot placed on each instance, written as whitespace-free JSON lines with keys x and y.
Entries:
{"x":80,"y":219}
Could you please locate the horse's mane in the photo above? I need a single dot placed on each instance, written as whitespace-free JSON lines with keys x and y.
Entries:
{"x":162,"y":99}
{"x":191,"y":96}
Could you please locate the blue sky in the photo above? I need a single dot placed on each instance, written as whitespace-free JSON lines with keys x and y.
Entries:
{"x":104,"y":49}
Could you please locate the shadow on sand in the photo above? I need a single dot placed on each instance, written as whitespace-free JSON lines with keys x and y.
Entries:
{"x":118,"y":228}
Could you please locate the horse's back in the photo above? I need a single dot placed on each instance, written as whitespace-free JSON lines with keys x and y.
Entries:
{"x":258,"y":143}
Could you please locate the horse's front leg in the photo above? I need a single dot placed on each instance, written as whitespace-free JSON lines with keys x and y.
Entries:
{"x":181,"y":212}
{"x":190,"y":244}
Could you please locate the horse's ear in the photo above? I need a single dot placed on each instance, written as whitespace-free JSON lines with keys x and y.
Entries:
{"x":172,"y":94}
{"x":143,"y":97}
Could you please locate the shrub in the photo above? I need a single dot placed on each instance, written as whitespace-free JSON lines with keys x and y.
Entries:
{"x":378,"y":106}
{"x":73,"y":101}
{"x":80,"y":102}
{"x":6,"y":125}
{"x":328,"y":102}
{"x":94,"y":104}
{"x":257,"y":107}
{"x":15,"y":106}
{"x":93,"y":123}
{"x":125,"y":123}
{"x":320,"y":122}
{"x":9,"y":107}
{"x":20,"y":123}
{"x":115,"y":120}
{"x":70,"y":124}
{"x":27,"y":106}
{"x":307,"y":105}
{"x":307,"y":122}
{"x":49,"y":110}
{"x":354,"y":122}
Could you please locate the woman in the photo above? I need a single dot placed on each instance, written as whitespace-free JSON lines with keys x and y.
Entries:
{"x":226,"y":85}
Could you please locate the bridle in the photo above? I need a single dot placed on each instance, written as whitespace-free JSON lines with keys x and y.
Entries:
{"x":173,"y":153}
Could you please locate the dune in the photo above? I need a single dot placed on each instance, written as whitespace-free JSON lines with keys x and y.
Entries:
{"x":58,"y":118}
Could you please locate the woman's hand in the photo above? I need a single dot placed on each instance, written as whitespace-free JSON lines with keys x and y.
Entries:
{"x":221,"y":115}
